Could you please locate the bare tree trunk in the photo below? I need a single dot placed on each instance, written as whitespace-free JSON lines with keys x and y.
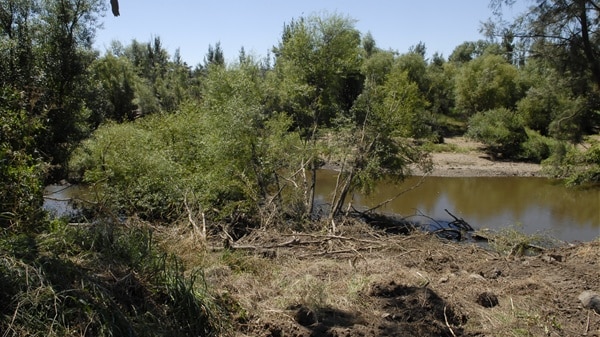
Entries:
{"x":338,"y":201}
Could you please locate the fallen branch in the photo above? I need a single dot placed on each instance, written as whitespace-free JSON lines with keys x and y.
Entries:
{"x":289,"y":243}
{"x":341,"y":251}
{"x":330,"y":237}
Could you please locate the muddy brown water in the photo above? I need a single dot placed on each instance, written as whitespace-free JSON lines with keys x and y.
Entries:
{"x":531,"y":205}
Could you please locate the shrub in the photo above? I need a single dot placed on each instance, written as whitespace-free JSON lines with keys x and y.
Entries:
{"x":133,"y":170}
{"x":501,"y":130}
{"x":22,"y":171}
{"x":577,"y":167}
{"x":537,"y":147}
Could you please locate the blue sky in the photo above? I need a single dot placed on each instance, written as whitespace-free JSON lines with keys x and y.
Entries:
{"x":192,"y":25}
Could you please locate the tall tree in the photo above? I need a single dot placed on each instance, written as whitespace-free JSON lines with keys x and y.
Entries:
{"x":69,"y":27}
{"x":117,"y":79}
{"x":214,"y":56}
{"x":485,"y":83}
{"x":318,"y":65}
{"x":46,"y":48}
{"x":565,"y":31}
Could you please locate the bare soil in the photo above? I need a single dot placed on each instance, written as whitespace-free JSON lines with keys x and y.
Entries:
{"x":469,"y":160}
{"x":362,"y":282}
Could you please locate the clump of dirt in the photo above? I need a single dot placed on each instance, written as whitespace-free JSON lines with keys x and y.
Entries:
{"x":362,"y":282}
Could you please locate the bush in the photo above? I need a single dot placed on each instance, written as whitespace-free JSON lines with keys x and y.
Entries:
{"x":22,"y":172}
{"x":134,"y":171}
{"x":577,"y":167}
{"x":501,"y":130}
{"x":537,"y":147}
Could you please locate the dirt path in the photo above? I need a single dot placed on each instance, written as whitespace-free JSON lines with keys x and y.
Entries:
{"x":468,"y":160}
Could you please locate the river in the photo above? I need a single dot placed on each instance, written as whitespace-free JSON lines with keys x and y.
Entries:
{"x":532,"y":205}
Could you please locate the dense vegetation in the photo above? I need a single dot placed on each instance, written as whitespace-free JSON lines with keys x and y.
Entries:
{"x":239,"y":143}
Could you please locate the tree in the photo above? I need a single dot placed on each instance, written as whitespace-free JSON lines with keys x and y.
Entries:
{"x":468,"y":51}
{"x":21,"y":168}
{"x":562,"y":35}
{"x":17,"y":35}
{"x":564,"y":31}
{"x":214,"y":56}
{"x":66,"y":48}
{"x":161,"y":84}
{"x":117,"y":80}
{"x":46,"y":48}
{"x":485,"y":83}
{"x":440,"y":76}
{"x":317,"y":69}
{"x":373,"y":145}
{"x":549,"y":105}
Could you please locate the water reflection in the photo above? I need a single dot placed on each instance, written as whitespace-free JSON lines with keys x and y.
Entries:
{"x":58,"y":199}
{"x":538,"y":204}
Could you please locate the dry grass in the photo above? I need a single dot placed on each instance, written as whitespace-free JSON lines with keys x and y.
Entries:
{"x":363,"y":282}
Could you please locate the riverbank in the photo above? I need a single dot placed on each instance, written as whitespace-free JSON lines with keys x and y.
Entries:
{"x":466,"y":158}
{"x":362,"y":282}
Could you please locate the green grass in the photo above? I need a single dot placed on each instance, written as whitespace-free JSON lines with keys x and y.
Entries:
{"x":513,"y":241}
{"x":100,"y":280}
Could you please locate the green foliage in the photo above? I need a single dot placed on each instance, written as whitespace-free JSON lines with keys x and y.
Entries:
{"x":132,"y":169}
{"x":565,"y":33}
{"x":576,"y":166}
{"x":403,"y":106}
{"x":65,"y":48}
{"x":377,"y":67}
{"x":485,"y":83}
{"x":370,"y":146}
{"x":117,"y":80}
{"x":537,"y":147}
{"x":440,"y":93}
{"x":103,"y":281}
{"x":318,"y":60}
{"x":468,"y":51}
{"x":501,"y":130}
{"x":225,"y":153}
{"x":21,"y":171}
{"x":550,"y":106}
